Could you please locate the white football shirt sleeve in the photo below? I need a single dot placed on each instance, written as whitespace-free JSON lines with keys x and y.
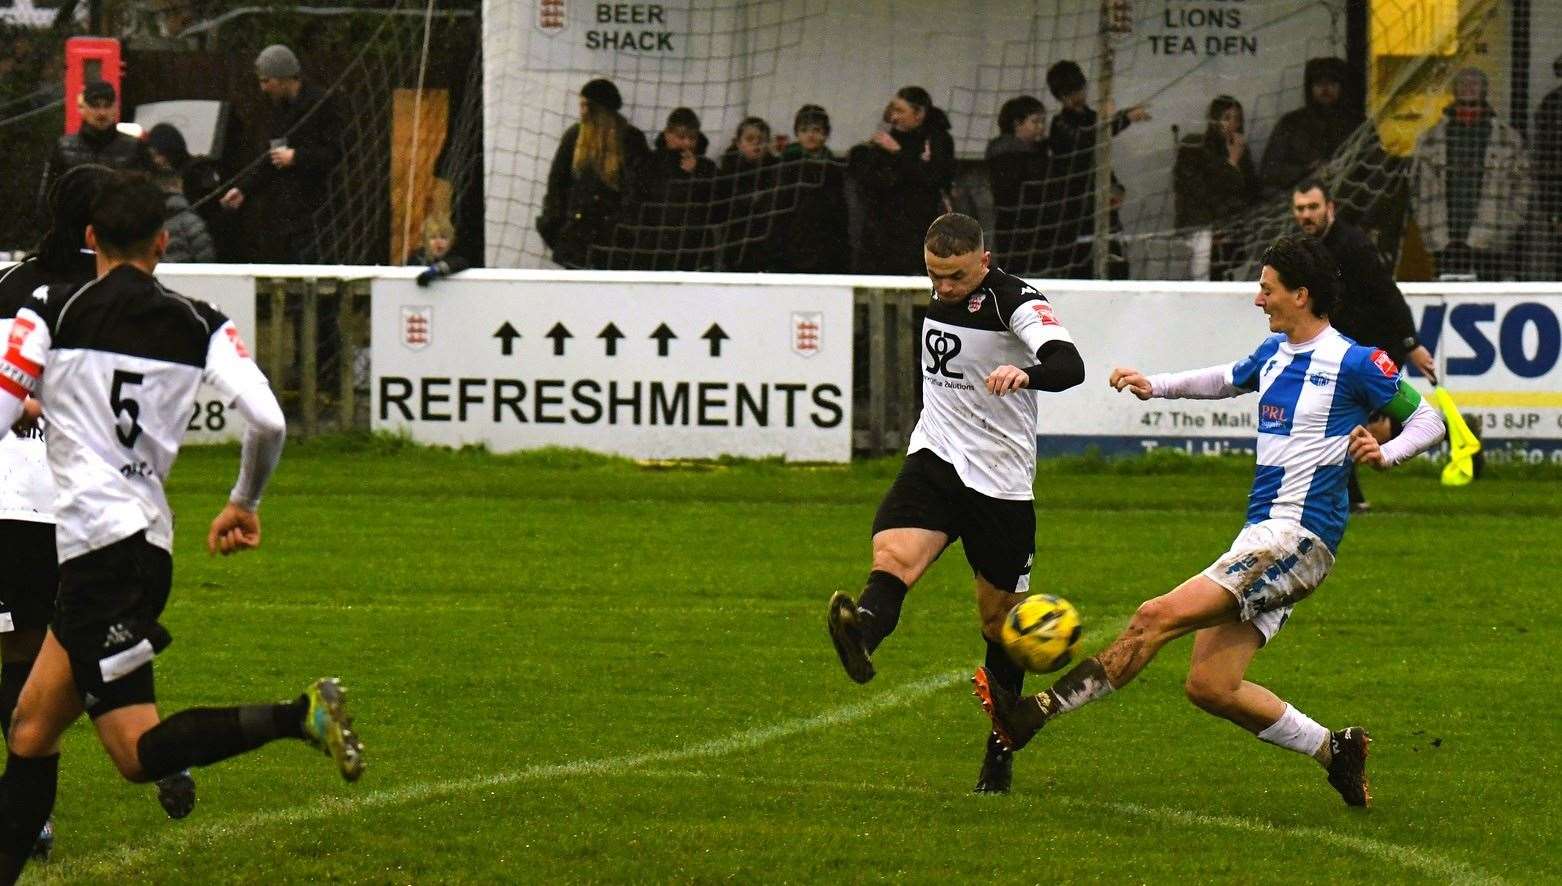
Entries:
{"x":1035,"y":323}
{"x":229,"y":368}
{"x":21,"y":364}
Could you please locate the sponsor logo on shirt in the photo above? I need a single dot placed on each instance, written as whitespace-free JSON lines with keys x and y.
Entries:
{"x":238,"y":343}
{"x":1270,"y":416}
{"x":21,"y":327}
{"x":1044,"y":312}
{"x":1319,"y":379}
{"x":1384,"y":363}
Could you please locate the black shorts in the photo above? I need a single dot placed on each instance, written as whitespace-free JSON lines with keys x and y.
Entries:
{"x":32,"y":575}
{"x":999,"y":534}
{"x":106,"y":618}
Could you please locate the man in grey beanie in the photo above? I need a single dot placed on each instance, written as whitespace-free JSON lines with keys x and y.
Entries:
{"x":291,"y":186}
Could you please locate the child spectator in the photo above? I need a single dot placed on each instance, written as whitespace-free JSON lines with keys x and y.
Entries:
{"x":674,"y":200}
{"x":1073,"y":140}
{"x":746,"y":198}
{"x":1017,"y":169}
{"x":439,"y":236}
{"x":813,"y":235}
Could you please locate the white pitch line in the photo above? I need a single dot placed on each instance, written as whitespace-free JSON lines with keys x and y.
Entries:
{"x":180,"y":838}
{"x":1407,"y":857}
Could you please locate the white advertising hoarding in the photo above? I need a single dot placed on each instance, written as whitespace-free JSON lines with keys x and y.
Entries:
{"x":212,"y":420}
{"x":679,"y":367}
{"x":1496,"y":347}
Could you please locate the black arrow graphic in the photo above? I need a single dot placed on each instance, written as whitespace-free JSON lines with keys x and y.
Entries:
{"x":715,"y":334}
{"x":610,"y":336}
{"x":558,"y":333}
{"x":664,"y":337}
{"x":507,"y":335}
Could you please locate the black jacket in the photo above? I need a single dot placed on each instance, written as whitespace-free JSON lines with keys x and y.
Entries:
{"x":1369,"y":307}
{"x":670,"y":226}
{"x":1024,"y":205}
{"x":746,"y":209}
{"x":904,"y":193}
{"x":581,"y":214}
{"x":1073,"y":139}
{"x":1208,"y":190}
{"x":295,"y":199}
{"x":109,"y":147}
{"x":1311,"y":133}
{"x":812,"y":228}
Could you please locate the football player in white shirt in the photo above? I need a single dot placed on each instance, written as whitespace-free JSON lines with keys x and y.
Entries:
{"x":116,"y":363}
{"x":1316,"y":389}
{"x":990,"y":340}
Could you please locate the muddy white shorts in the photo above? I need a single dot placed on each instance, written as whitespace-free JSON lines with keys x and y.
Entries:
{"x":1272,"y":565}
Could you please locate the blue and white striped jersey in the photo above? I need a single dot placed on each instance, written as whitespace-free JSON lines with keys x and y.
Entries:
{"x":1311,"y":396}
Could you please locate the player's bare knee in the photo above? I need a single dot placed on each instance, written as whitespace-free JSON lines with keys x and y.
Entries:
{"x":1207,"y":693}
{"x":887,"y":559}
{"x":28,"y":737}
{"x":1152,"y":617}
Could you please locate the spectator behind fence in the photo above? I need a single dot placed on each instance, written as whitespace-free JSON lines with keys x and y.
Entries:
{"x":814,"y":235}
{"x":1472,"y":182}
{"x":1018,"y":162}
{"x":291,"y":183}
{"x":202,"y":182}
{"x":1305,"y":139}
{"x":98,"y":141}
{"x":905,"y":174}
{"x":166,"y":149}
{"x":746,"y":198}
{"x":1214,"y":184}
{"x":188,"y":238}
{"x":673,"y":200}
{"x":592,"y":170}
{"x":1073,"y":142}
{"x":435,"y":254}
{"x":1548,"y":159}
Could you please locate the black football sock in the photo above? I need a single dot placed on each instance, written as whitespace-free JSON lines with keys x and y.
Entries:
{"x":881,"y":601}
{"x":1003,"y":669}
{"x":203,"y":736}
{"x":26,"y":799}
{"x":13,"y":675}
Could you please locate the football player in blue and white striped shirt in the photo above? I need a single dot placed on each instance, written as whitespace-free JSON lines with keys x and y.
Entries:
{"x":1316,"y":389}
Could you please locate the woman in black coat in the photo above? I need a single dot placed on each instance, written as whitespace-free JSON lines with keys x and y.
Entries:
{"x":592,"y":171}
{"x":905,"y":174}
{"x":1214,"y":183}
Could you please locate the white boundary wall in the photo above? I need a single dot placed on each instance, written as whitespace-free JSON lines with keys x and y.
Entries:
{"x":786,"y":342}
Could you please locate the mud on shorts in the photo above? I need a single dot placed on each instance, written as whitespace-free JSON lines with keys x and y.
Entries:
{"x":32,"y":577}
{"x":999,"y":534}
{"x":106,"y":618}
{"x":1272,"y":566}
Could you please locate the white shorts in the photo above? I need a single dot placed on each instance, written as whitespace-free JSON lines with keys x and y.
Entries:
{"x":1272,"y":565}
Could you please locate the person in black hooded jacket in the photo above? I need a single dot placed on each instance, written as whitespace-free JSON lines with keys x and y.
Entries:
{"x":1018,"y":170}
{"x":905,"y":174}
{"x":1305,"y":139}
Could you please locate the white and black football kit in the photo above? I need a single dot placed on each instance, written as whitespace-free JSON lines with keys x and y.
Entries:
{"x":972,"y":458}
{"x":116,"y":363}
{"x":26,"y":487}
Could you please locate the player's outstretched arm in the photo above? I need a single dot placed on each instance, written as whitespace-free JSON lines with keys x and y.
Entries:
{"x":1131,"y":380}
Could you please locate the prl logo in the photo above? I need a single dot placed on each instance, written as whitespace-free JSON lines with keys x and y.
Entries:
{"x":1271,"y":412}
{"x":942,"y":347}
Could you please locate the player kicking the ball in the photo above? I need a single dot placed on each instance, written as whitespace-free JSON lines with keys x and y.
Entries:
{"x":1316,"y":388}
{"x":115,"y":363}
{"x":972,"y":459}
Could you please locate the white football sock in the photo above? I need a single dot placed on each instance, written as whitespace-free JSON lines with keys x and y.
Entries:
{"x":1296,"y":731}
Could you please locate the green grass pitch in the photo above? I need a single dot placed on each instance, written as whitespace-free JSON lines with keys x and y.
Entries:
{"x":569,"y":668}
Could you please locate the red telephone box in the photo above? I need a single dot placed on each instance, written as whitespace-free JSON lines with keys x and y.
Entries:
{"x":88,"y":59}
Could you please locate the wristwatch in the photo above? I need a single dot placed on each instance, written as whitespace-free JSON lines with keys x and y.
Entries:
{"x":1410,"y":343}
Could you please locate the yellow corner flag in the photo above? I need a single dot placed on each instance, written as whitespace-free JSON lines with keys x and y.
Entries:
{"x":1462,"y":443}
